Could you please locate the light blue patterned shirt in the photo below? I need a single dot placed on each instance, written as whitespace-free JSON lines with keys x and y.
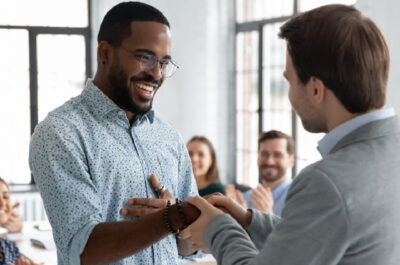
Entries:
{"x":87,"y":161}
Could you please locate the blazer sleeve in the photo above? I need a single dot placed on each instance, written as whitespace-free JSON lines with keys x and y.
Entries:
{"x":313,"y":229}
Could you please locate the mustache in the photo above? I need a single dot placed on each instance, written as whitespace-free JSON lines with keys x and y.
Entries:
{"x":268,"y":166}
{"x":147,"y":78}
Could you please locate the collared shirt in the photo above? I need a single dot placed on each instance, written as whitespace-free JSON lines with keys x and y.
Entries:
{"x":87,"y":161}
{"x":279,"y":195}
{"x":326,"y":144}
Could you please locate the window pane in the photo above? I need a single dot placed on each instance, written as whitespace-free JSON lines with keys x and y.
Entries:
{"x":247,"y":51}
{"x":61,"y":71}
{"x":252,"y":10}
{"x":246,"y":107}
{"x":14,"y":106}
{"x":305,"y":5}
{"x":71,"y":13}
{"x":246,"y":154}
{"x":276,"y":106}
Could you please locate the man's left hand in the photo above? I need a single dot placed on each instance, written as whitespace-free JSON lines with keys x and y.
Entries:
{"x":145,"y":206}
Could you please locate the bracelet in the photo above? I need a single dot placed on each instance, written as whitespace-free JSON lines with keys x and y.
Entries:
{"x":166,"y":219}
{"x":181,"y":214}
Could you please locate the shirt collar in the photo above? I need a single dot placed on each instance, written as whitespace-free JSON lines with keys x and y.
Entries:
{"x":101,"y":104}
{"x":281,"y":188}
{"x":326,"y":144}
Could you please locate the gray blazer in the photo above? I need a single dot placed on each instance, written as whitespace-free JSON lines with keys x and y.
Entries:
{"x":343,"y":209}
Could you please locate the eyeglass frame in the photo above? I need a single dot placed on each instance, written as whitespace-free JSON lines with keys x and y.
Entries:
{"x":141,"y":57}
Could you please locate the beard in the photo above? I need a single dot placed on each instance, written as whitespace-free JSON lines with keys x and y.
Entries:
{"x":122,"y":95}
{"x":270,"y":176}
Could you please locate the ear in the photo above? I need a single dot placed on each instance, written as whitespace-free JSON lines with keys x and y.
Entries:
{"x":291,"y":161}
{"x":317,"y":90}
{"x":104,"y":52}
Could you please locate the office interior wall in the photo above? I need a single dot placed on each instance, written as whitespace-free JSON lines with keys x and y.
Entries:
{"x":385,"y":13}
{"x":199,"y":99}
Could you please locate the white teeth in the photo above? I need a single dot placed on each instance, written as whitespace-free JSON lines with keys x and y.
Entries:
{"x":2,"y":211}
{"x":147,"y":88}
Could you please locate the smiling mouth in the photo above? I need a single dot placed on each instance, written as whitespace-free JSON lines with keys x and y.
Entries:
{"x":2,"y":212}
{"x":145,"y":91}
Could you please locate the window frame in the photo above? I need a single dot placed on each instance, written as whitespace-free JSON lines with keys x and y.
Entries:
{"x":33,"y":32}
{"x":258,"y":26}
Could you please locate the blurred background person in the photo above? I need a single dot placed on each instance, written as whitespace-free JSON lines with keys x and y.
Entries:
{"x":205,"y":167}
{"x":9,"y":219}
{"x":275,"y":156}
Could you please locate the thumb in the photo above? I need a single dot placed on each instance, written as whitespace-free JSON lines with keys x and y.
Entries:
{"x":154,"y":181}
{"x":199,"y":202}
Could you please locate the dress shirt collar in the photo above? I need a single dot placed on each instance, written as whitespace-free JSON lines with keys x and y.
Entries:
{"x":93,"y":95}
{"x":326,"y":144}
{"x":281,"y":188}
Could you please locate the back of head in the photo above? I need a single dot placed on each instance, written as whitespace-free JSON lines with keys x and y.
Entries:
{"x":116,"y":25}
{"x":345,"y":50}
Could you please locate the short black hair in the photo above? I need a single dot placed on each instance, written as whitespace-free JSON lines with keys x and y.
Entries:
{"x":116,"y":25}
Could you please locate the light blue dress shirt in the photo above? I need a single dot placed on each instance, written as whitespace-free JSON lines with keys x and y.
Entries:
{"x":279,"y":195}
{"x":326,"y":144}
{"x":87,"y":161}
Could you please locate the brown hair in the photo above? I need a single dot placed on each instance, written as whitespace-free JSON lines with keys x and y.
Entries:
{"x":212,"y":173}
{"x":345,"y":50}
{"x":274,"y":134}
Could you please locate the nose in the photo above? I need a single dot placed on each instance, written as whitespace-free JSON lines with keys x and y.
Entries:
{"x":269,"y":160}
{"x":156,"y":71}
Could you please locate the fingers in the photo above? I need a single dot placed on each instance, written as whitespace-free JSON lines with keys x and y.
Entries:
{"x":240,"y":199}
{"x":185,"y":234}
{"x":160,"y":189}
{"x":150,"y":202}
{"x":137,"y":212}
{"x":200,"y":203}
{"x":16,"y":205}
{"x":154,"y":181}
{"x":230,"y":191}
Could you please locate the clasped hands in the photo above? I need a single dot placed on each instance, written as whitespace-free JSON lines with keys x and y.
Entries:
{"x":209,"y":206}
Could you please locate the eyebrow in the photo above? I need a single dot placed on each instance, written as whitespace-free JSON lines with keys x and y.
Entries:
{"x":152,"y":53}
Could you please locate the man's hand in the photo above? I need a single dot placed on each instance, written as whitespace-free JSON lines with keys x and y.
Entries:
{"x":235,"y":195}
{"x":226,"y":204}
{"x":195,"y":232}
{"x":262,"y":199}
{"x":25,"y":261}
{"x":14,"y":222}
{"x":148,"y":205}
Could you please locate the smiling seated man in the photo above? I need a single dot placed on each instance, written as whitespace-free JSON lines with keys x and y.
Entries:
{"x":92,"y":154}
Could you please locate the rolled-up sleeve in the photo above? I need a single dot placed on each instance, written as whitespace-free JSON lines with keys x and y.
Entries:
{"x":60,"y":170}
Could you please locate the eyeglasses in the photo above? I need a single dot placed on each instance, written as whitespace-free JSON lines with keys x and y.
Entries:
{"x":147,"y":62}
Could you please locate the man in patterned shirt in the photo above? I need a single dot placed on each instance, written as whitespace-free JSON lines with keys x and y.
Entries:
{"x":92,"y":154}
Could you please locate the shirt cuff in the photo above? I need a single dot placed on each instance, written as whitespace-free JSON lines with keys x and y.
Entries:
{"x":79,"y":242}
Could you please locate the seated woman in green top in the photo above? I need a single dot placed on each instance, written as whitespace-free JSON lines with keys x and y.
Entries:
{"x":205,"y":168}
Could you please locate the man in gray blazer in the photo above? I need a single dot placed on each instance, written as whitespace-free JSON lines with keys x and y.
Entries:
{"x":343,"y":209}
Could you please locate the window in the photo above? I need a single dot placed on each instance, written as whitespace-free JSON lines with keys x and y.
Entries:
{"x":45,"y":53}
{"x":262,"y":100}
